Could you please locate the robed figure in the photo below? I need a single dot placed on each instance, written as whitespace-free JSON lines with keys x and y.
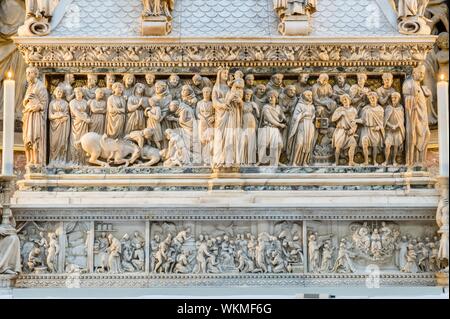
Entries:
{"x":417,"y":130}
{"x":226,"y":119}
{"x":34,"y":118}
{"x":302,"y":130}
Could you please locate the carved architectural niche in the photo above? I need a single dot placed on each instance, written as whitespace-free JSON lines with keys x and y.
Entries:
{"x":157,"y":17}
{"x":294,"y":16}
{"x":38,"y":17}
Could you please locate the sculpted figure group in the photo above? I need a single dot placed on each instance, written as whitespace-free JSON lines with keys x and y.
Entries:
{"x":379,"y":244}
{"x":118,"y":256}
{"x":242,"y":253}
{"x":234,"y":121}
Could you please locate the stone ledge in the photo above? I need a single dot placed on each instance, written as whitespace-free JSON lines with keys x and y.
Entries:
{"x":90,"y":179}
{"x":222,"y":280}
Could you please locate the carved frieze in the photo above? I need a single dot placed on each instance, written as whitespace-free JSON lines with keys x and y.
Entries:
{"x":82,"y":55}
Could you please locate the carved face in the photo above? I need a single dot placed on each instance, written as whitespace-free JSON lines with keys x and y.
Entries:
{"x":341,"y":80}
{"x":238,"y":75}
{"x":173,"y":106}
{"x":250,"y":80}
{"x":58,"y":93}
{"x":92,"y":80}
{"x":345,"y":100}
{"x":308,"y":96}
{"x":419,"y":73}
{"x":373,"y":99}
{"x":31,"y":74}
{"x":260,"y":90}
{"x":185,"y":91}
{"x":395,"y":98}
{"x":110,"y":79}
{"x":323,"y":79}
{"x":197,"y":79}
{"x":304,"y":78}
{"x":272,"y":98}
{"x":174,"y":80}
{"x":224,"y":75}
{"x":139,"y":90}
{"x":160,"y":87}
{"x":207,"y":94}
{"x":150,"y":78}
{"x":78,"y":94}
{"x":99,"y":94}
{"x":118,"y":88}
{"x":248,"y":95}
{"x":387,"y":81}
{"x":278,"y":79}
{"x":128,"y":80}
{"x":290,"y":91}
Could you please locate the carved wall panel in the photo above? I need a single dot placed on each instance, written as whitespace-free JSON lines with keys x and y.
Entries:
{"x":311,"y":251}
{"x":173,"y":121}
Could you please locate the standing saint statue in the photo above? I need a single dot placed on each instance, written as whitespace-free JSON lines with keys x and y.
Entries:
{"x":302,"y":131}
{"x":249,"y":126}
{"x":59,"y":117}
{"x":344,"y":134}
{"x":97,"y":109}
{"x":115,"y":114}
{"x":80,"y":126}
{"x":417,"y":130}
{"x":372,"y":132}
{"x":394,"y":123}
{"x":205,"y":115}
{"x":34,"y":118}
{"x":136,"y":104}
{"x":225,"y":123}
{"x":270,"y":136}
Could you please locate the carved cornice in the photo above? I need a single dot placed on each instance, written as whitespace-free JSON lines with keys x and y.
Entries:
{"x":181,"y":280}
{"x":217,"y":214}
{"x":128,"y":53}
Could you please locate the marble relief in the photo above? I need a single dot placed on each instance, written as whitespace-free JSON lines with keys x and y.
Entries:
{"x":231,"y":121}
{"x":227,"y":247}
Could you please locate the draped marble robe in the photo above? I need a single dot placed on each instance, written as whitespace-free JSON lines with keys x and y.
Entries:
{"x":136,"y":104}
{"x":394,"y":116}
{"x":417,"y":129}
{"x":80,"y":126}
{"x":59,"y":116}
{"x":34,"y":119}
{"x":224,"y":128}
{"x":248,"y":138}
{"x":205,"y":115}
{"x":227,"y":104}
{"x":163,"y":99}
{"x":270,"y":136}
{"x":98,"y":115}
{"x":301,"y":134}
{"x":9,"y":250}
{"x":115,"y":116}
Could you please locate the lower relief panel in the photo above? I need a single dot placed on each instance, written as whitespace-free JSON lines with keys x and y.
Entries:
{"x":228,"y":253}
